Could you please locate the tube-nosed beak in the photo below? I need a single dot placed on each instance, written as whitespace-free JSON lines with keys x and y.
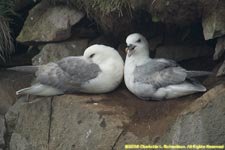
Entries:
{"x":130,"y":49}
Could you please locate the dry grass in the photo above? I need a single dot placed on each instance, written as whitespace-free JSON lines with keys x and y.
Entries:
{"x":6,"y":44}
{"x":104,"y":7}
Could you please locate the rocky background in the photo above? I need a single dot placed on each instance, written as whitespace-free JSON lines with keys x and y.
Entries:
{"x":188,"y":31}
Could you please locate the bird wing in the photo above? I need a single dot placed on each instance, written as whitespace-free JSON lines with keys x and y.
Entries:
{"x":152,"y":66}
{"x":68,"y":74}
{"x":160,"y":73}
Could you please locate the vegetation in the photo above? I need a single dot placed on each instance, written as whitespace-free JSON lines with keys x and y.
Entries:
{"x":101,"y":6}
{"x":6,"y":44}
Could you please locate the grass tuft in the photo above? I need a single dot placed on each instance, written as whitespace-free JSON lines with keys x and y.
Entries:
{"x":104,"y":7}
{"x":6,"y":44}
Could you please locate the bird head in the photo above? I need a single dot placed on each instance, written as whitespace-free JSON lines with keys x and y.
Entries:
{"x":136,"y":44}
{"x":100,"y":54}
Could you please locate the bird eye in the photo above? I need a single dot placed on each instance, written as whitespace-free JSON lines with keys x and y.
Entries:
{"x":139,"y":40}
{"x":92,"y":55}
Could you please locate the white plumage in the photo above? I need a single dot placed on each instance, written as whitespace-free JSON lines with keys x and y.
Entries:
{"x":156,"y":79}
{"x":99,"y":70}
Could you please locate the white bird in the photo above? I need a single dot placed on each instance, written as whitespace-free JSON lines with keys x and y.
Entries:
{"x":99,"y":70}
{"x":156,"y":79}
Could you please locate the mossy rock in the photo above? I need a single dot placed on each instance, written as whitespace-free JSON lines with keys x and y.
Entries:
{"x":46,"y":23}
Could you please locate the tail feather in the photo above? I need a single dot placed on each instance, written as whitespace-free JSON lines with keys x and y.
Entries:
{"x":40,"y":90}
{"x":198,"y":73}
{"x":29,"y":69}
{"x":23,"y":91}
{"x":198,"y":86}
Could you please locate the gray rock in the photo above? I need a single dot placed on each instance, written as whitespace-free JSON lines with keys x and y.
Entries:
{"x":32,"y":128}
{"x":9,"y":84}
{"x":12,"y":115}
{"x":81,"y":125}
{"x":221,"y":70}
{"x":19,"y":142}
{"x":47,"y":23}
{"x":182,"y":52}
{"x":202,"y":122}
{"x":95,"y":122}
{"x":106,"y":121}
{"x":2,"y":131}
{"x":180,"y":12}
{"x":220,"y":48}
{"x":55,"y":51}
{"x":213,"y":19}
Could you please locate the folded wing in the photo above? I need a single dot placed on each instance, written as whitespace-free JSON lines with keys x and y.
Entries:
{"x":68,"y":74}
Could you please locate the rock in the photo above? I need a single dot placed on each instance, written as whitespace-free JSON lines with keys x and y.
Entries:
{"x":55,"y":51}
{"x":87,"y":128}
{"x":9,"y":85}
{"x":182,"y":52}
{"x":220,"y":48}
{"x":32,"y":128}
{"x":92,"y":121}
{"x":179,"y":12}
{"x":2,"y":131}
{"x":212,"y":22}
{"x":201,"y":123}
{"x":47,"y":23}
{"x":221,"y":70}
{"x":12,"y":115}
{"x":84,"y":32}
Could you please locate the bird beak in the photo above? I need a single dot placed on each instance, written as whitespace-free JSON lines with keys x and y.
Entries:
{"x":130,"y":49}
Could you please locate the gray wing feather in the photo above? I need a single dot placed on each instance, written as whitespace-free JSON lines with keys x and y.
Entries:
{"x":67,"y":74}
{"x":160,"y":73}
{"x":79,"y":69}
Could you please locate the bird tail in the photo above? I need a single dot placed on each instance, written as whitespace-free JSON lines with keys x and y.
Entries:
{"x":197,"y":85}
{"x":23,"y":91}
{"x":29,"y":69}
{"x":198,"y":73}
{"x":40,"y":90}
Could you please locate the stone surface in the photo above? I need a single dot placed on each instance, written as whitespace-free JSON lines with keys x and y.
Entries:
{"x":32,"y":128}
{"x":12,"y":114}
{"x":2,"y":131}
{"x":202,"y":122}
{"x":221,"y":70}
{"x":220,"y":48}
{"x":47,"y":23}
{"x":83,"y":124}
{"x":55,"y":51}
{"x":109,"y":121}
{"x":182,"y":52}
{"x":9,"y":84}
{"x":212,"y":22}
{"x":180,"y":12}
{"x":95,"y":122}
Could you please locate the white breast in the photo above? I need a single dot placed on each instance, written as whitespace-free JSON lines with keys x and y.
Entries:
{"x":108,"y":79}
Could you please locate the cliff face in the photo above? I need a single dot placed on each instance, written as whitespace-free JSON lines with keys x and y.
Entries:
{"x":191,"y":32}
